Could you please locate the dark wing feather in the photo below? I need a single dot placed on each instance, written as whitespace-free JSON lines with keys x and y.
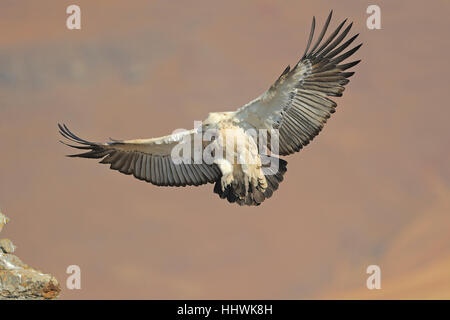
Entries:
{"x":144,"y":159}
{"x":298,"y":103}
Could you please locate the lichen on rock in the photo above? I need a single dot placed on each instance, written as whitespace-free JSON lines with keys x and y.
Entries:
{"x":19,"y":281}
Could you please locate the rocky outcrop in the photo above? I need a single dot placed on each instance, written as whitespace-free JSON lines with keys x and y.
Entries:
{"x":19,"y":281}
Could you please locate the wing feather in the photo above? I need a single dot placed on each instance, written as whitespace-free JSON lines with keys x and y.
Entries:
{"x":146,"y":159}
{"x":297,"y":104}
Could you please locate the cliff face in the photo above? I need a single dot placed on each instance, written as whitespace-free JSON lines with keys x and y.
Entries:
{"x":19,"y":281}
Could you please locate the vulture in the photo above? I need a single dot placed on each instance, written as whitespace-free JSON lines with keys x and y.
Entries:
{"x":240,"y":151}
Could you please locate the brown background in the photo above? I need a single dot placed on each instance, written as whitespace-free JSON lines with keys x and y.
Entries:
{"x":373,"y":188}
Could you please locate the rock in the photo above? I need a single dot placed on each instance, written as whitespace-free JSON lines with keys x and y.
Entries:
{"x":3,"y":220}
{"x":7,"y":246}
{"x":19,"y":281}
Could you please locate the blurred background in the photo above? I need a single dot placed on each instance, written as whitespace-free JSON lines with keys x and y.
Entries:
{"x":373,"y":188}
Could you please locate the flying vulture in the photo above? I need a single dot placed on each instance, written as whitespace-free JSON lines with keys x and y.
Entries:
{"x":246,"y":168}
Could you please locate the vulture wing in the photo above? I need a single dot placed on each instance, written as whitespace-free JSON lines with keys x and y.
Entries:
{"x":298,"y":103}
{"x":147,"y":159}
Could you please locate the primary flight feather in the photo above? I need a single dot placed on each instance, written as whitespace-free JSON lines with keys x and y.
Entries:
{"x":294,"y":110}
